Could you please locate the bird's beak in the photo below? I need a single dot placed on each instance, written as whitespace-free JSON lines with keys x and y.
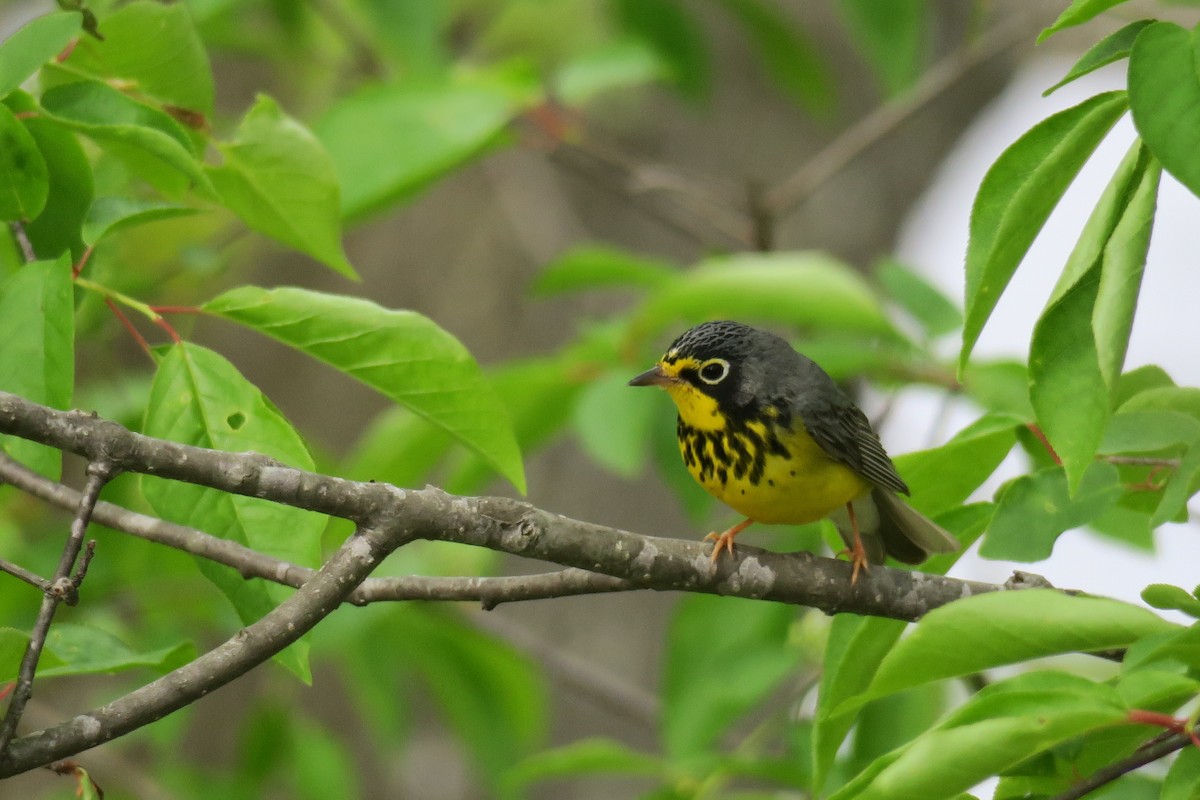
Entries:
{"x":653,"y":377}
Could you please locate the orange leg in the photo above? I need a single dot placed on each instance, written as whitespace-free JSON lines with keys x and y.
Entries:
{"x":858,"y":553}
{"x":724,"y":541}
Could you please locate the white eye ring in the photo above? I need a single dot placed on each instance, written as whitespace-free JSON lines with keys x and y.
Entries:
{"x":712,"y":376}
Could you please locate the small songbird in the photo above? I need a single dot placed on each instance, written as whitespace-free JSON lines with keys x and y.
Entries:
{"x":767,"y":432}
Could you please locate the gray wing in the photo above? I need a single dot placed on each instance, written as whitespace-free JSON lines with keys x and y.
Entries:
{"x":844,"y":432}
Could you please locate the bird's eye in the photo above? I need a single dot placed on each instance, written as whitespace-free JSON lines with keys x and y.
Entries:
{"x":714,"y":371}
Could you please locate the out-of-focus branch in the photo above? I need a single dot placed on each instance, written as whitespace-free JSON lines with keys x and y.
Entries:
{"x":794,"y":190}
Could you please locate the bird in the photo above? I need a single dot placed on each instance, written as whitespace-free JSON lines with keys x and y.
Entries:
{"x":767,"y":432}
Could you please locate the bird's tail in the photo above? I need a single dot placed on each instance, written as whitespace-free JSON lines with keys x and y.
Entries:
{"x":908,"y":535}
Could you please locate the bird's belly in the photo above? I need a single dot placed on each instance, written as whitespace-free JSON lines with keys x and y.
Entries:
{"x":801,"y":486}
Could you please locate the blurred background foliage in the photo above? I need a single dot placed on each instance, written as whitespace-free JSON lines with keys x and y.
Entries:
{"x":563,"y":184}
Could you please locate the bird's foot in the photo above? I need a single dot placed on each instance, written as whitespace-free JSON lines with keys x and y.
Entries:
{"x":724,"y":541}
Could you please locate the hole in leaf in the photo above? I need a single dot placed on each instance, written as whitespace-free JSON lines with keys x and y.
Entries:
{"x":236,"y":420}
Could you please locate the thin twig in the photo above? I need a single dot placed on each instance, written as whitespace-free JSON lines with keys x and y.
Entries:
{"x":875,"y":126}
{"x":128,"y":325}
{"x":17,"y":571}
{"x":685,"y":204}
{"x":62,"y":586}
{"x":1158,"y":748}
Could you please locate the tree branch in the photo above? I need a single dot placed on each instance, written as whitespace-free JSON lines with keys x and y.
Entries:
{"x":501,"y":524}
{"x":63,"y":587}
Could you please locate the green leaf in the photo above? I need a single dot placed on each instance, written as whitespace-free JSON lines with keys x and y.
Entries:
{"x":801,"y":288}
{"x":1034,"y":509}
{"x":1176,"y":650}
{"x":279,"y":180}
{"x":1166,"y":596}
{"x":1066,"y":384}
{"x":1156,"y":689}
{"x":108,"y":215}
{"x":388,"y":142}
{"x":893,"y":721}
{"x":924,"y":303}
{"x":857,"y":645}
{"x":154,"y":145}
{"x":199,"y":398}
{"x":1002,"y":726}
{"x":37,"y":361}
{"x":1138,"y":380}
{"x":1113,"y":47}
{"x":56,"y":229}
{"x":617,"y":64}
{"x":24,"y":177}
{"x":33,"y":45}
{"x":944,"y":477}
{"x":893,"y":37}
{"x":1079,"y":12}
{"x":855,"y":648}
{"x":1183,"y":778}
{"x":790,"y":58}
{"x":1078,"y":349}
{"x":1017,"y":195}
{"x":597,"y":756}
{"x":613,"y":423}
{"x":1000,"y":386}
{"x":668,"y":28}
{"x":1160,"y":402}
{"x":598,"y":267}
{"x":1149,"y":431}
{"x":1123,"y":260}
{"x":490,"y":693}
{"x":699,"y":699}
{"x":154,"y":48}
{"x":400,"y":354}
{"x":1008,"y":627}
{"x":1179,"y":488}
{"x":1164,"y":96}
{"x":540,"y":395}
{"x":85,"y":650}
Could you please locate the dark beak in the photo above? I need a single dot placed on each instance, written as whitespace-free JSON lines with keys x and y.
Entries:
{"x":652,"y":377}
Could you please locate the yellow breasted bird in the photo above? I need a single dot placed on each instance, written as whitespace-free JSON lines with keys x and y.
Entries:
{"x":767,"y":432}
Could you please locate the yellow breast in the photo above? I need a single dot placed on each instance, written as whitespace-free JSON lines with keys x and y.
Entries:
{"x":764,"y":471}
